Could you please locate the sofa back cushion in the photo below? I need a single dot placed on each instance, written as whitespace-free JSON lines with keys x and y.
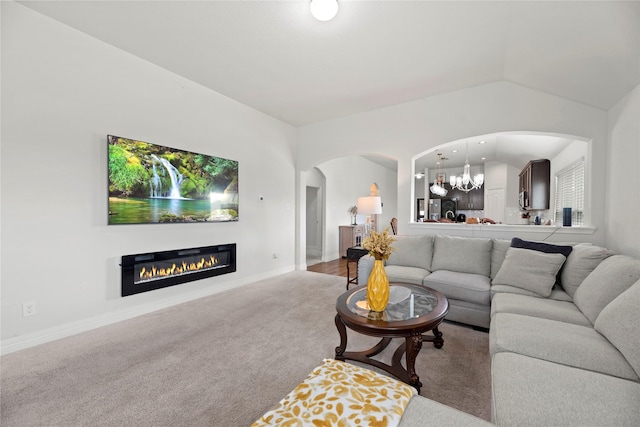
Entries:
{"x":580,"y":263}
{"x":462,"y":254}
{"x":412,"y":251}
{"x":619,"y":321}
{"x":610,"y":278}
{"x":498,"y":252}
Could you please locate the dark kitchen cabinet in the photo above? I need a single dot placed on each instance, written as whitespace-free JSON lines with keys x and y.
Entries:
{"x":476,"y":199}
{"x":473,"y":200}
{"x":534,"y":185}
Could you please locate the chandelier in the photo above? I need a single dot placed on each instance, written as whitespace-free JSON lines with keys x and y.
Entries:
{"x":465,"y":182}
{"x":437,"y":188}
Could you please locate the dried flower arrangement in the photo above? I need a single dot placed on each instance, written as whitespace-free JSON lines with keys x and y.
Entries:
{"x":353,"y":210}
{"x":379,"y":244}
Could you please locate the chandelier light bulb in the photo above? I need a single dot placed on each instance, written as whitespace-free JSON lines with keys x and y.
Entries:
{"x":324,"y":10}
{"x":465,"y":182}
{"x":436,"y":188}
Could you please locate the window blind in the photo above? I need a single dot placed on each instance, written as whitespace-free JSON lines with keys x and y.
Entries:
{"x":570,"y":193}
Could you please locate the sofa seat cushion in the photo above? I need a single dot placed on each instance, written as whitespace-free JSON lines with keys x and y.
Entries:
{"x":556,"y":293}
{"x":533,"y":392}
{"x":609,"y":279}
{"x":463,"y":254}
{"x":559,"y":342}
{"x":562,"y":311}
{"x":420,"y":409}
{"x":474,"y":288}
{"x":403,"y":274}
{"x":412,"y":251}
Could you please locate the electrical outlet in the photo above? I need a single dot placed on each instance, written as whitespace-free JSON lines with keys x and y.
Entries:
{"x":28,"y":308}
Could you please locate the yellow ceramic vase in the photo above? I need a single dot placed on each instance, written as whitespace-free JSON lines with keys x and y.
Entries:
{"x":378,"y":287}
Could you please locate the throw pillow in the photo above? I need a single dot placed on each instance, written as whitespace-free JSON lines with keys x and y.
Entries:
{"x":541,"y":247}
{"x":533,"y":271}
{"x":339,"y":393}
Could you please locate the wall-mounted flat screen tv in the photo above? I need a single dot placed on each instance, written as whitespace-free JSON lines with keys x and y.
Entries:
{"x":150,"y":183}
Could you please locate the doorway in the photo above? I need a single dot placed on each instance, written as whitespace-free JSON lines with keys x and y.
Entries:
{"x":314,"y":225}
{"x":494,"y":205}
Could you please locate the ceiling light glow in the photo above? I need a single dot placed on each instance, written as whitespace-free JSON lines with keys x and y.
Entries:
{"x":324,"y":10}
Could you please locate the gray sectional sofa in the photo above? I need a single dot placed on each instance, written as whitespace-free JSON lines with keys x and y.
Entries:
{"x":564,"y":327}
{"x":435,"y":262}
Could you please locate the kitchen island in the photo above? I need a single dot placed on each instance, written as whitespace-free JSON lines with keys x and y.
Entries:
{"x":549,"y":233}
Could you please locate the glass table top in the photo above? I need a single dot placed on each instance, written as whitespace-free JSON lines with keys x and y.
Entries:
{"x":405,"y":302}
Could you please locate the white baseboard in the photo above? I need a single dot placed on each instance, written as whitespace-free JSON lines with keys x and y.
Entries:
{"x":331,"y":257}
{"x":51,"y":334}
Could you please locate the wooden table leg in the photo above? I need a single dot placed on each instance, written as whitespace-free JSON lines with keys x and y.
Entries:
{"x":436,"y":339}
{"x":413,"y":346}
{"x":342,"y":330}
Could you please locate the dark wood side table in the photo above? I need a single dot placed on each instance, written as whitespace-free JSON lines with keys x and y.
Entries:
{"x":413,"y":310}
{"x":353,"y":255}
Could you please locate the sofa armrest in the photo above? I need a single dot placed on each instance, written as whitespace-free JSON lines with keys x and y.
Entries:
{"x":365,"y":265}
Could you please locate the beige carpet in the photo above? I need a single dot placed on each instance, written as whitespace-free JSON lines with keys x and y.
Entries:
{"x":218,"y":361}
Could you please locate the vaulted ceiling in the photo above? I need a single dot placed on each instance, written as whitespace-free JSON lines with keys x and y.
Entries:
{"x":276,"y":58}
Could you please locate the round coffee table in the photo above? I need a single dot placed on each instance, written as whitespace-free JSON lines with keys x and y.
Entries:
{"x":412,"y":311}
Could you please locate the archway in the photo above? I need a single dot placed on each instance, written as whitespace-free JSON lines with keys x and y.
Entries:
{"x":501,"y":156}
{"x":344,"y":179}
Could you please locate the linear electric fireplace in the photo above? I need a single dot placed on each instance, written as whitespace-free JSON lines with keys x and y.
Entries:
{"x":155,"y":270}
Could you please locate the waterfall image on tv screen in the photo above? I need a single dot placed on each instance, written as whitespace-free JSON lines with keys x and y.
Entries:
{"x":150,"y":183}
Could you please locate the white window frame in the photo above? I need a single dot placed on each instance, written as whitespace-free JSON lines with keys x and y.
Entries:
{"x":570,"y":192}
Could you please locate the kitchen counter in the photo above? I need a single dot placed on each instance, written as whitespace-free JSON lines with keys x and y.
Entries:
{"x":549,"y":233}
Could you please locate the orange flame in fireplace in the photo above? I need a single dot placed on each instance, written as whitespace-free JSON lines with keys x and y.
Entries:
{"x":154,"y":273}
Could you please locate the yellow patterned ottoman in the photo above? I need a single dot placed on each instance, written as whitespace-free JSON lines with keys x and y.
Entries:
{"x":340,"y":394}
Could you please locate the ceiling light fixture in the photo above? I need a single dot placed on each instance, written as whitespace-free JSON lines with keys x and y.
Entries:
{"x":463,"y":182}
{"x":436,"y":188}
{"x":324,"y":10}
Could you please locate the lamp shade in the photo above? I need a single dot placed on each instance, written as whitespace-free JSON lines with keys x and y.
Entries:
{"x":369,"y":205}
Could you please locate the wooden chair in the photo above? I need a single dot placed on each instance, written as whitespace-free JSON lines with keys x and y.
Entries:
{"x":394,"y":225}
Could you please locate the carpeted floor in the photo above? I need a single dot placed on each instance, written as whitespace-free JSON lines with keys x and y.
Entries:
{"x":222,"y":360}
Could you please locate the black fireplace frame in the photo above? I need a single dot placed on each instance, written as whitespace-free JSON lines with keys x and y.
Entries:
{"x":129,"y":262}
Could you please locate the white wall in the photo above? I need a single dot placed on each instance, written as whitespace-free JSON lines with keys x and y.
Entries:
{"x":62,"y":93}
{"x":408,"y":129}
{"x":623,"y":192}
{"x":348,"y":178}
